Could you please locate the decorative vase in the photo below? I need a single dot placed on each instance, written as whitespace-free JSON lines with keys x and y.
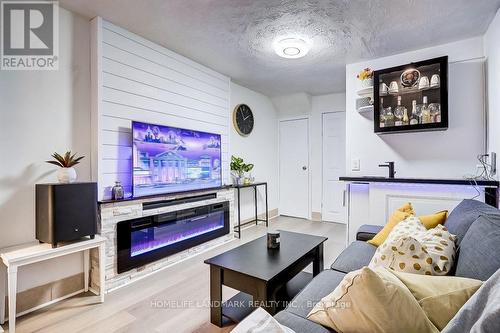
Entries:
{"x":66,"y":175}
{"x":117,"y":193}
{"x":237,"y":180}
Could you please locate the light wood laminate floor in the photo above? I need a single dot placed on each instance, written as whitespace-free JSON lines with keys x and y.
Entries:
{"x":172,"y":300}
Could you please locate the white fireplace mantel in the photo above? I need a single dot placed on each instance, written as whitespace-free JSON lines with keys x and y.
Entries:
{"x":113,"y":212}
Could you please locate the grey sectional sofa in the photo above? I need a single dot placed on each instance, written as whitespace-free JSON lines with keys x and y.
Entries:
{"x":476,"y":224}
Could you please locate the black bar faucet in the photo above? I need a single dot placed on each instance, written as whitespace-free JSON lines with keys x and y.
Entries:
{"x":389,"y":165}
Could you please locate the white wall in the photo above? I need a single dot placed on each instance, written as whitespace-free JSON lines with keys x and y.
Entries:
{"x":259,"y":148}
{"x":293,"y":104}
{"x":136,"y":79}
{"x":492,"y":52}
{"x":446,"y":154}
{"x":42,"y":112}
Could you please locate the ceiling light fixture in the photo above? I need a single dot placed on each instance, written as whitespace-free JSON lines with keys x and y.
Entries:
{"x":291,"y":47}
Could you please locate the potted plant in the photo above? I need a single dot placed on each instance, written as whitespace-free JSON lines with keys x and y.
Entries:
{"x":66,"y":173}
{"x":239,"y":168}
{"x":366,"y":77}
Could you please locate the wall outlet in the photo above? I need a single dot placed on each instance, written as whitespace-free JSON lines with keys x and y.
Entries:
{"x":355,"y":164}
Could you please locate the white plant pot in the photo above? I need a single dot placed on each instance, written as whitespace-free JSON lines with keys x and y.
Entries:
{"x":66,"y":175}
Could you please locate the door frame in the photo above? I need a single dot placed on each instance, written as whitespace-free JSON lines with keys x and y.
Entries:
{"x":322,"y":165}
{"x":309,"y":176}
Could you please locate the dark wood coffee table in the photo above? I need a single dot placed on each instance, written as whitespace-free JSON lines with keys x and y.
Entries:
{"x":261,"y":273}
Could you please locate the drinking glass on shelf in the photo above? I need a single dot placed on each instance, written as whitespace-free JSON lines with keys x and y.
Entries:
{"x":389,"y":117}
{"x":435,"y":112}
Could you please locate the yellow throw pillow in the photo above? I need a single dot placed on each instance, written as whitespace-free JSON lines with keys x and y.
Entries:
{"x":439,"y":296}
{"x":400,"y":214}
{"x":371,"y":301}
{"x":431,"y":221}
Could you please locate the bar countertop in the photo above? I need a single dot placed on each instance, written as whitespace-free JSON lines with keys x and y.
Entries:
{"x":375,"y":179}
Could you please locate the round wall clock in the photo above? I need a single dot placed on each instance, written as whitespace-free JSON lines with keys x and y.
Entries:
{"x":243,"y":120}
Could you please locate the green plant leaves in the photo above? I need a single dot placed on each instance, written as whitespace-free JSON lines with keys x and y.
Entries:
{"x":239,"y":167}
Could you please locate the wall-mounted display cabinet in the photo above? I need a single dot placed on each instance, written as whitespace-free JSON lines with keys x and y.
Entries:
{"x":412,"y":97}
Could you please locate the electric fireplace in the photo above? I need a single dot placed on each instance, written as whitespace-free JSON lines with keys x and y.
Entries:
{"x":147,"y":239}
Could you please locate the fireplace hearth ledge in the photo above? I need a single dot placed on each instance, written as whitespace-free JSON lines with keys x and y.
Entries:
{"x":112,"y":213}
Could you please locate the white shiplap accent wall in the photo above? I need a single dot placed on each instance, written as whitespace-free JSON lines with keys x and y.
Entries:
{"x":136,"y":79}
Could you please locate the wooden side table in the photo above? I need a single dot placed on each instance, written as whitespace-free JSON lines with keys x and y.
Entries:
{"x":26,"y":254}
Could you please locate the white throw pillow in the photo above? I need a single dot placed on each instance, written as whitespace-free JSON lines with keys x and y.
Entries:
{"x":261,"y":321}
{"x":411,"y":248}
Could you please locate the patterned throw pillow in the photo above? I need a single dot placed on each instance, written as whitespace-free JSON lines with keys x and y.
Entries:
{"x":412,"y":248}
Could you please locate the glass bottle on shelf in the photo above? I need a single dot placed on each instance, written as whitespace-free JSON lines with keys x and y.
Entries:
{"x":382,"y":113}
{"x":414,"y":116}
{"x":389,"y":117}
{"x":426,"y":115}
{"x":406,"y":119}
{"x":399,"y":112}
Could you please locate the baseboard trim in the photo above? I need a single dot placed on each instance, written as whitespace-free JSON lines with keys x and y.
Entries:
{"x":273,"y":213}
{"x":316,"y":216}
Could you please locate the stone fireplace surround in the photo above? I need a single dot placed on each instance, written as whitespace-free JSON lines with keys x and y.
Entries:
{"x":113,"y":212}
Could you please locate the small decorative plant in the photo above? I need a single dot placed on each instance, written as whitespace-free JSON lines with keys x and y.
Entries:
{"x":365,"y":74}
{"x":239,"y":167}
{"x":66,"y":162}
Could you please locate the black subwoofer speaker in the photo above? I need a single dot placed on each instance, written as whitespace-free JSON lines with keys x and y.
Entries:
{"x":65,"y":212}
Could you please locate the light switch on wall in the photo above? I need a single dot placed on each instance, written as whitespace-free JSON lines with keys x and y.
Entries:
{"x":355,"y":164}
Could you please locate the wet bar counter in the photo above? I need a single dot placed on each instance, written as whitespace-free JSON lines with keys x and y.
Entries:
{"x":490,"y":186}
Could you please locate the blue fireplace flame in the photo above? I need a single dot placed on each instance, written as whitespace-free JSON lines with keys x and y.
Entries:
{"x":159,"y":236}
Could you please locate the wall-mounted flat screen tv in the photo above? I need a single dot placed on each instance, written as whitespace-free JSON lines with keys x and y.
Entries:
{"x":169,"y":159}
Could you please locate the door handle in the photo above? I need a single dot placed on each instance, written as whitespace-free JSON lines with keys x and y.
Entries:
{"x":343,"y":198}
{"x":304,"y":168}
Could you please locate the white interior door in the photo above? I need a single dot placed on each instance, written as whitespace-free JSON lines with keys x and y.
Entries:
{"x":333,"y":205}
{"x":294,"y":167}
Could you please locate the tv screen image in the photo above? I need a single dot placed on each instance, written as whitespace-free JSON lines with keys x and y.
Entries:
{"x":168,"y":159}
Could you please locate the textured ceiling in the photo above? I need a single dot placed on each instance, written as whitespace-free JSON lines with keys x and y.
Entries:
{"x":235,"y":37}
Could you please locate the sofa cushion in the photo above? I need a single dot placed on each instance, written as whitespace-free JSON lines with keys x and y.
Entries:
{"x":323,"y":284}
{"x":465,"y":214}
{"x":355,"y":256}
{"x":480,"y":248}
{"x":480,"y":313}
{"x":299,"y":324}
